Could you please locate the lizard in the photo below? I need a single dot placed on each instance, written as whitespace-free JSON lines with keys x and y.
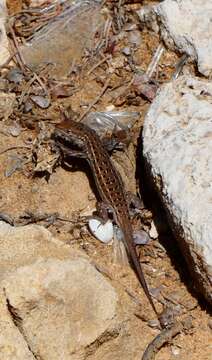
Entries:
{"x":108,"y":183}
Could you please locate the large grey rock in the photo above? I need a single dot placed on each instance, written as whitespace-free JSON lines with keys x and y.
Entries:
{"x":54,"y":303}
{"x":61,"y":306}
{"x":24,"y":245}
{"x":177,"y":141}
{"x":185,"y":25}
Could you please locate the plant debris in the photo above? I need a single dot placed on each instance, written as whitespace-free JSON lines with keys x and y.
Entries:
{"x":116,"y":71}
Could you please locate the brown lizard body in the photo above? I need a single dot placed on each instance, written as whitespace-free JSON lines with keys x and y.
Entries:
{"x":108,"y":182}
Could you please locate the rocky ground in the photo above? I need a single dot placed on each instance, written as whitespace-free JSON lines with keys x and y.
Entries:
{"x":62,"y":294}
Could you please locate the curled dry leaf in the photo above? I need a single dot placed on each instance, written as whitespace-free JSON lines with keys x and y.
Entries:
{"x":45,"y":161}
{"x":43,"y":157}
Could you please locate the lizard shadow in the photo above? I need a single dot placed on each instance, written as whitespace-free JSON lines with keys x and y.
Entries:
{"x":72,"y":164}
{"x":166,"y":237}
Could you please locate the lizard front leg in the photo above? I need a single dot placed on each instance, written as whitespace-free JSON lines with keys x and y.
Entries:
{"x":71,"y":152}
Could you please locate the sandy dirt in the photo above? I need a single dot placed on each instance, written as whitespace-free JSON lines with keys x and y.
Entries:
{"x":70,"y":193}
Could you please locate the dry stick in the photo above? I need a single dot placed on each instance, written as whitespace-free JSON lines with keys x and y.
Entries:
{"x":117,"y":13}
{"x":99,"y":44}
{"x":73,"y":63}
{"x":98,"y":64}
{"x":28,"y":85}
{"x":6,"y":63}
{"x":106,"y":33}
{"x":22,"y":61}
{"x":96,"y":100}
{"x":26,"y":89}
{"x":14,"y":148}
{"x":42,"y":21}
{"x":41,"y":83}
{"x":101,"y":41}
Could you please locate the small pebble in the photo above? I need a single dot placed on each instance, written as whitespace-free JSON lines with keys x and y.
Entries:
{"x":126,"y":51}
{"x":110,"y":107}
{"x":103,"y":232}
{"x":140,"y":237}
{"x":153,"y":231}
{"x":135,"y":37}
{"x":175,"y":350}
{"x":153,"y":323}
{"x":155,"y":292}
{"x":14,"y":130}
{"x":34,"y":188}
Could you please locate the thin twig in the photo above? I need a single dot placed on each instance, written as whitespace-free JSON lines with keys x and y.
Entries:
{"x":107,"y":31}
{"x":6,"y":63}
{"x":96,"y":100}
{"x":14,"y":148}
{"x":41,"y":83}
{"x":22,"y":61}
{"x":98,"y":64}
{"x":26,"y":89}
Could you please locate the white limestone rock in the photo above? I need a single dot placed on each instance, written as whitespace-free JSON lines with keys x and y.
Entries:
{"x":23,"y":245}
{"x":62,"y":306}
{"x":55,"y":305}
{"x":177,"y":141}
{"x":53,"y":302}
{"x":185,"y":25}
